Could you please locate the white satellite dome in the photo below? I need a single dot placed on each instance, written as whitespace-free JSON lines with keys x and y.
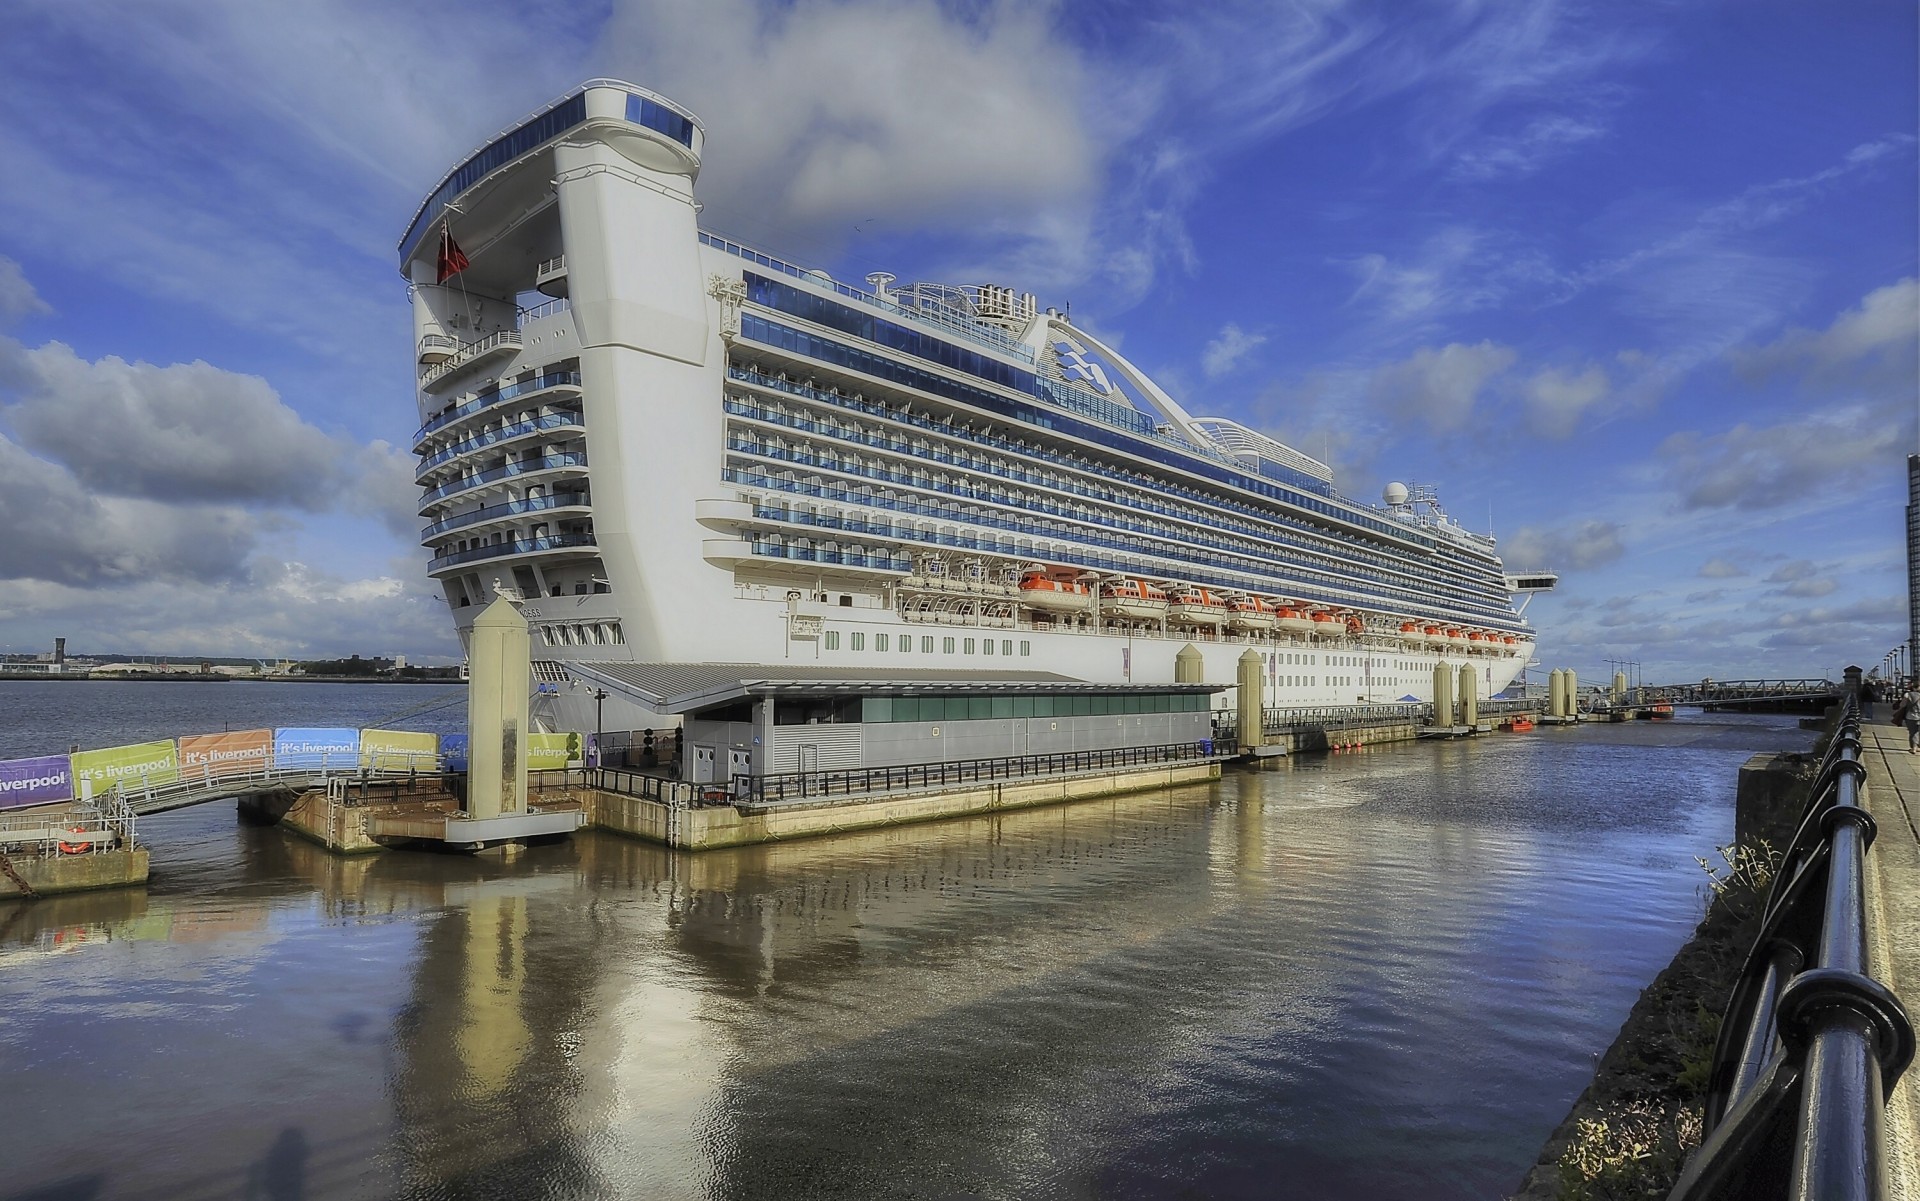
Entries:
{"x":1394,"y":493}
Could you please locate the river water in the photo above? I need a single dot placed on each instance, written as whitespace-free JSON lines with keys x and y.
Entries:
{"x":1382,"y":974}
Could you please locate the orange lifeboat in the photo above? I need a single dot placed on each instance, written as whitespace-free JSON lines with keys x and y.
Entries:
{"x":1326,"y":625}
{"x":1038,"y":590}
{"x":1250,"y":613}
{"x":1355,"y":627}
{"x":1292,"y":620}
{"x":1454,"y":636}
{"x":1509,"y":639}
{"x":1410,"y":634}
{"x":1434,"y":635}
{"x":1476,"y":641}
{"x":1133,"y":598}
{"x":1197,"y":607}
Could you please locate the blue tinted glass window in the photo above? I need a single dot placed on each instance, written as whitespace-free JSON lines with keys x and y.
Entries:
{"x":657,"y":116}
{"x":550,"y":124}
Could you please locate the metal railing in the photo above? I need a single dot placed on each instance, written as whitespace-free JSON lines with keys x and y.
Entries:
{"x":506,"y":339}
{"x":1810,"y":1044}
{"x":619,"y":780}
{"x":103,"y":823}
{"x":815,"y":785}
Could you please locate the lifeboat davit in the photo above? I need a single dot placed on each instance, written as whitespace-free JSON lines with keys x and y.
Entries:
{"x":1133,"y":598}
{"x":1410,"y":634}
{"x":1355,"y":627}
{"x":1038,"y":590}
{"x":1476,"y":641}
{"x":1434,"y":636}
{"x":1326,"y":625}
{"x":1455,"y":637}
{"x":1197,"y":607}
{"x":1250,"y":613}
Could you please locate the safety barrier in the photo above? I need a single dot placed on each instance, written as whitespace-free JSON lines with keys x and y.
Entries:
{"x":1810,"y":1044}
{"x":812,"y":785}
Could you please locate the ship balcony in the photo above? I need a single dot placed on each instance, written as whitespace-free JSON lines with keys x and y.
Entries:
{"x":545,"y":469}
{"x":570,"y":546}
{"x":502,"y":344}
{"x":558,"y":384}
{"x":550,"y":278}
{"x":436,"y":349}
{"x":505,"y":436}
{"x":722,"y":514}
{"x":811,"y":560}
{"x":564,"y":504}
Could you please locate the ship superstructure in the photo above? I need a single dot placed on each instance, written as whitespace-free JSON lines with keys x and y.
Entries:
{"x":676,"y":449}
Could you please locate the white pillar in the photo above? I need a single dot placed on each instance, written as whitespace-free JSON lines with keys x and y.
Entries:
{"x":500,"y":672}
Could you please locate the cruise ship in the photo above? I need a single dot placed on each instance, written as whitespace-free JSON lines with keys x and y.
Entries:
{"x":669,"y":448}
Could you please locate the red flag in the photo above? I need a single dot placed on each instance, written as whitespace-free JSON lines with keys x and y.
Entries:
{"x":452,"y":259}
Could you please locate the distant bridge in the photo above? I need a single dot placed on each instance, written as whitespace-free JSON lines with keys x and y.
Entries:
{"x":1739,"y":694}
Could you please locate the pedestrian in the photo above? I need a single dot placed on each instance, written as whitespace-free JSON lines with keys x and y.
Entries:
{"x":1909,"y":711}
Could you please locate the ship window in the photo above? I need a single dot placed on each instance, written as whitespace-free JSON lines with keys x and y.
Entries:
{"x":880,"y":642}
{"x":1026,"y":648}
{"x":926,"y":645}
{"x":846,"y":602}
{"x":859,"y":641}
{"x":833,"y":640}
{"x":986,"y":646}
{"x":946,"y":646}
{"x":969,"y":646}
{"x":619,"y":637}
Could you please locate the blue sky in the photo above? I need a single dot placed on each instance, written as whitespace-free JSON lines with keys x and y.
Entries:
{"x":1634,"y":283}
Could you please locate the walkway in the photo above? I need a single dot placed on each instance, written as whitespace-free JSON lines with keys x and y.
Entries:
{"x":1893,"y":890}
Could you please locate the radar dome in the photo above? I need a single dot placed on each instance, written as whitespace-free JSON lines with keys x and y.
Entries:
{"x":1395,"y":493}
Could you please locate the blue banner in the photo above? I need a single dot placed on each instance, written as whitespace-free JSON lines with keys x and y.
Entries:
{"x":35,"y":781}
{"x":453,"y":751}
{"x":319,"y":749}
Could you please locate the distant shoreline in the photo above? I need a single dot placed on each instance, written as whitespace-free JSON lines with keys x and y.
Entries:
{"x":163,"y":677}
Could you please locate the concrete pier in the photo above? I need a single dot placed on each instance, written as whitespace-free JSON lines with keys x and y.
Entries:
{"x":123,"y":867}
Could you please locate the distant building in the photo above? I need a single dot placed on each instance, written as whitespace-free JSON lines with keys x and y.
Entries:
{"x":1913,"y":559}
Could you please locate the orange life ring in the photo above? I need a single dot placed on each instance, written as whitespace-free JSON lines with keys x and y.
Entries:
{"x":75,"y":848}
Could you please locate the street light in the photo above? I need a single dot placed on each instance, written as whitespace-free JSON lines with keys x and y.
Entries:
{"x":599,"y":724}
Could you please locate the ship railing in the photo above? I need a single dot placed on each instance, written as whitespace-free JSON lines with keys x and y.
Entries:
{"x":512,"y":508}
{"x":518,"y":467}
{"x":506,"y":433}
{"x":985,"y":335}
{"x":515,"y":546}
{"x":485,"y":400}
{"x":790,"y":787}
{"x":1810,"y":1043}
{"x":545,"y":308}
{"x":1065,"y":462}
{"x":497,"y":340}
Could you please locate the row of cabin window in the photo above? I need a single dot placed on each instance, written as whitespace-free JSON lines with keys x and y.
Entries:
{"x":973,"y":708}
{"x":966,"y":646}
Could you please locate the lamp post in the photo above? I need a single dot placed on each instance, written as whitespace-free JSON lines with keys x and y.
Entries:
{"x":599,"y":723}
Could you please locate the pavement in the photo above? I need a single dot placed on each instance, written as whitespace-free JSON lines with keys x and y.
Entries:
{"x":1893,"y":898}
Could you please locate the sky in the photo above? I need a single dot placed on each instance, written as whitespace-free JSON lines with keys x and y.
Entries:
{"x":1633,"y":285}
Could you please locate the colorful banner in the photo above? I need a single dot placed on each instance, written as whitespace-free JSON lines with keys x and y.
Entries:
{"x":548,"y":752}
{"x":398,"y":750}
{"x":453,"y":752}
{"x":235,"y":753}
{"x":317,"y":749}
{"x":34,"y":781}
{"x":130,"y":766}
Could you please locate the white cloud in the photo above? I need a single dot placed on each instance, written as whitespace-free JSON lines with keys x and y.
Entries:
{"x":1796,"y":569}
{"x":1556,"y":400}
{"x":1229,"y":348}
{"x":1885,"y":323}
{"x":1721,"y":569}
{"x":1768,"y":466}
{"x":1541,"y":140}
{"x":17,"y":297}
{"x":1564,"y":548}
{"x":1440,"y":387}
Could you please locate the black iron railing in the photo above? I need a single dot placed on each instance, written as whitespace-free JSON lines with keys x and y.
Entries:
{"x":626,"y":783}
{"x":815,"y":785}
{"x":1810,"y":1043}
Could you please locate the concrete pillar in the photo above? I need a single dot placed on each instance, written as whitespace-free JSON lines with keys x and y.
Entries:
{"x":1442,"y":694}
{"x":1573,"y":693}
{"x":1189,"y":666}
{"x":1851,"y":682}
{"x":1252,"y":722}
{"x":500,"y":671}
{"x":1557,"y":694}
{"x":763,"y":736}
{"x":1619,"y":693}
{"x":1469,"y":706}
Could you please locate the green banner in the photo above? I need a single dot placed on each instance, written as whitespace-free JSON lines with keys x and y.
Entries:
{"x":128,"y":766}
{"x":398,"y":750}
{"x":547,"y":752}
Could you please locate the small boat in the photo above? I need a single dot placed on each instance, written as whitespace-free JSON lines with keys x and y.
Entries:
{"x":1434,"y":636}
{"x":1521,"y":725}
{"x":1038,"y":590}
{"x":1293,"y":620}
{"x":1250,"y":613}
{"x":1133,"y":598}
{"x":1355,"y":627}
{"x":1411,"y":634}
{"x":1196,"y":607}
{"x":1327,"y":624}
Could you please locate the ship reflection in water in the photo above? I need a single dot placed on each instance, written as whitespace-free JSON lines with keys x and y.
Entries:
{"x":1379,"y":975}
